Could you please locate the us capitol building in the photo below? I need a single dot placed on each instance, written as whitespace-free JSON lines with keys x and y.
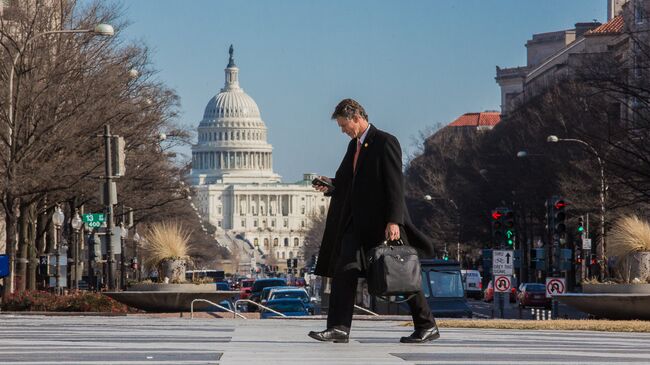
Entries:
{"x":259,"y":218}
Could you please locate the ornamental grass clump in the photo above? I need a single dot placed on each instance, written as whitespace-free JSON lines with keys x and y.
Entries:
{"x":165,"y":243}
{"x":629,"y":242}
{"x":629,"y":235}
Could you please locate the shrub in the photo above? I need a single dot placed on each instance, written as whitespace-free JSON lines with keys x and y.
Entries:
{"x":628,"y":235}
{"x":76,"y":302}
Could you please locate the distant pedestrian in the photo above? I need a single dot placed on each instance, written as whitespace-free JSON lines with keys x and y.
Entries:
{"x":367,"y":207}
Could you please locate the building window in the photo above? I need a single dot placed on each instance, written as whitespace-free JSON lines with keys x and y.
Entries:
{"x":275,"y":242}
{"x":302,"y":224}
{"x":639,"y":14}
{"x":302,"y":210}
{"x":243,"y":223}
{"x":296,"y":242}
{"x":266,"y":243}
{"x":286,"y":242}
{"x":277,"y":255}
{"x":256,"y":242}
{"x":254,"y":210}
{"x":283,"y":254}
{"x":219,"y":224}
{"x":322,"y":210}
{"x":285,"y":224}
{"x":290,"y":254}
{"x":272,"y":222}
{"x":255,"y":223}
{"x":219,"y":210}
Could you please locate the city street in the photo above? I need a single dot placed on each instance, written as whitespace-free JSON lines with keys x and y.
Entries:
{"x":511,"y":311}
{"x":182,"y":341}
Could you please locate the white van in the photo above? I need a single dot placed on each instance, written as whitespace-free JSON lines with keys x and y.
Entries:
{"x":472,"y":283}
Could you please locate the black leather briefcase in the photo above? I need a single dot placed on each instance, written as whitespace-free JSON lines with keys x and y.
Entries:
{"x":392,"y":269}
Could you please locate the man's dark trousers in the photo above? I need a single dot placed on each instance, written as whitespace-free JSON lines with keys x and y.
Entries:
{"x":344,"y":289}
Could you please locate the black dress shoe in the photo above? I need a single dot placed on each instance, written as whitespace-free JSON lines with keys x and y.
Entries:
{"x":422,"y":335}
{"x":331,"y":334}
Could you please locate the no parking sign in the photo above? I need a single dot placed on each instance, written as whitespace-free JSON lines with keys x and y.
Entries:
{"x":555,"y":286}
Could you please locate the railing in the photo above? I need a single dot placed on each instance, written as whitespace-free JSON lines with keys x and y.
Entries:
{"x":216,"y":305}
{"x":259,"y":305}
{"x":366,"y":310}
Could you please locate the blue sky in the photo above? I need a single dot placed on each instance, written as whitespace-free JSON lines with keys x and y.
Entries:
{"x":412,"y":64}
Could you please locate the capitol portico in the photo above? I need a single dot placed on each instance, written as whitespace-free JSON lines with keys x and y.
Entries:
{"x":257,"y":216}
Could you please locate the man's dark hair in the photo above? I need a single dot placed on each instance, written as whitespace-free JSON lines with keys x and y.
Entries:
{"x":348,"y":108}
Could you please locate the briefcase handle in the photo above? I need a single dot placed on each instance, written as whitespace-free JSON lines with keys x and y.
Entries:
{"x":397,"y":242}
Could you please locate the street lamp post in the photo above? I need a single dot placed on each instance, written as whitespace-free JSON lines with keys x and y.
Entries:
{"x":135,"y":264}
{"x":57,"y":219}
{"x":76,"y":225}
{"x":601,"y":164}
{"x":99,"y":29}
{"x":430,"y":198}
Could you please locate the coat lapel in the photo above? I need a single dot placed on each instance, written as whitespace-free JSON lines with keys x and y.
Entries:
{"x":364,"y":147}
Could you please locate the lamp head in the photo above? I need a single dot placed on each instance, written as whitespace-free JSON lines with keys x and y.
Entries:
{"x":522,"y":154}
{"x":552,"y":139}
{"x":104,"y":30}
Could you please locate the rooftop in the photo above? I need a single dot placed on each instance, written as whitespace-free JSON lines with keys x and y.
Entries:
{"x":482,"y":119}
{"x":614,"y":26}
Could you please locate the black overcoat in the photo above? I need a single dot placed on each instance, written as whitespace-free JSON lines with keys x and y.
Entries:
{"x":370,"y":198}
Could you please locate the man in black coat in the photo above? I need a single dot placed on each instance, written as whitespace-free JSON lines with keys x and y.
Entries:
{"x":367,"y":207}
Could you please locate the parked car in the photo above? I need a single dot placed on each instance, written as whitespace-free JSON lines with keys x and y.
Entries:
{"x":472,"y":282}
{"x":533,"y":295}
{"x":488,"y":294}
{"x":292,"y":292}
{"x":259,"y":285}
{"x":287,"y":306}
{"x":222,"y":285}
{"x":266,"y":291}
{"x":245,"y":288}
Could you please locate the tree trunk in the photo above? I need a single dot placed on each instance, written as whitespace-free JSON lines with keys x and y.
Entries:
{"x":21,"y":255}
{"x":32,"y":265}
{"x":11,"y":219}
{"x":41,"y":236}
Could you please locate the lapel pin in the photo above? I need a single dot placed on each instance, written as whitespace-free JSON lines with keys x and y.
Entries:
{"x":365,"y":145}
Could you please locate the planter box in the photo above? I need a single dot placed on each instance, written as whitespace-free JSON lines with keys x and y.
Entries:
{"x":189,"y":287}
{"x":616,"y":288}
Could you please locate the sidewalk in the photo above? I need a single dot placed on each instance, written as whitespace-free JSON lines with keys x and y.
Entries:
{"x":131,"y":340}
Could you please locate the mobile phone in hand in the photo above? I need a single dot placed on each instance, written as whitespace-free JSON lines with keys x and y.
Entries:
{"x":320,"y":182}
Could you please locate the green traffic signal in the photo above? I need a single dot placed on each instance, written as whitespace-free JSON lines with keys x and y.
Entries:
{"x":581,"y":229}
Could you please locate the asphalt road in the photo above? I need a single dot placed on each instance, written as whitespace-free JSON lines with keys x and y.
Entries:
{"x":511,"y":311}
{"x":136,"y":340}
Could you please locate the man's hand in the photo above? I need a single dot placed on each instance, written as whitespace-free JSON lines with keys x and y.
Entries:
{"x":392,"y":231}
{"x":322,"y":189}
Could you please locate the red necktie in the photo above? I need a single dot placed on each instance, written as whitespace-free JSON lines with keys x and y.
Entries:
{"x":356,"y":155}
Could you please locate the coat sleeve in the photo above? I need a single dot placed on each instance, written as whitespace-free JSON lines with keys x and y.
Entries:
{"x":393,"y":180}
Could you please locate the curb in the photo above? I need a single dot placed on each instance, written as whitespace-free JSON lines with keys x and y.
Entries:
{"x":63,"y":314}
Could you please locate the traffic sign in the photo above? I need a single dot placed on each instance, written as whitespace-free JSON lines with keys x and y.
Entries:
{"x":502,"y":262}
{"x":94,"y":220}
{"x":586,"y":243}
{"x":502,"y":284}
{"x":555,"y":286}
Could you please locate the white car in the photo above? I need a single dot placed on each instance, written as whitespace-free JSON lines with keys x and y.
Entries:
{"x":472,"y":282}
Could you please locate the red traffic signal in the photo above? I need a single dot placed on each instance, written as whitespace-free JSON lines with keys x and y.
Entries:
{"x":496,"y":215}
{"x":560,"y":204}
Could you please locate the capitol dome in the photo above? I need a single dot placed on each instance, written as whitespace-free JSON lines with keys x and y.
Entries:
{"x":232,"y":142}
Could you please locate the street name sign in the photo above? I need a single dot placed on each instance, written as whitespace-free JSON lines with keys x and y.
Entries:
{"x":502,"y":283}
{"x":555,"y":286}
{"x":93,"y":220}
{"x":502,"y":262}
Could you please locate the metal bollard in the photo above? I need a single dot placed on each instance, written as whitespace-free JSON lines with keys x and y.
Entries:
{"x":549,"y":314}
{"x":537,"y":314}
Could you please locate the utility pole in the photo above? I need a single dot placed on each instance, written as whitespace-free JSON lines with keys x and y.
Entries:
{"x":108,"y":196}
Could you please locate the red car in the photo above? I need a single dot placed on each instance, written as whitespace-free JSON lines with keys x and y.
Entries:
{"x":245,"y":289}
{"x":533,"y":295}
{"x":488,"y":295}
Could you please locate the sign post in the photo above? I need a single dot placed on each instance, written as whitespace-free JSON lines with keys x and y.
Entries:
{"x":555,"y":286}
{"x":502,"y":269}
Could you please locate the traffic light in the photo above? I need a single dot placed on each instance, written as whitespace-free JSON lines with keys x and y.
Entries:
{"x":509,"y":226}
{"x":496,"y":223}
{"x":581,"y":225}
{"x":445,"y":255}
{"x":288,"y":263}
{"x":294,"y":263}
{"x":559,"y":216}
